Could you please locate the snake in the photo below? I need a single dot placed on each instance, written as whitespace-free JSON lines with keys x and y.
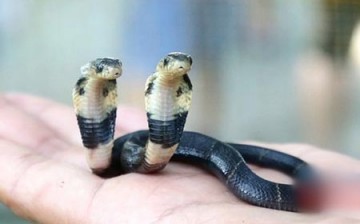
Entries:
{"x":168,"y":94}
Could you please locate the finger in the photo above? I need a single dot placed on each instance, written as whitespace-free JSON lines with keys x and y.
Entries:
{"x":62,"y":118}
{"x":27,"y":130}
{"x":44,"y":190}
{"x":57,"y":116}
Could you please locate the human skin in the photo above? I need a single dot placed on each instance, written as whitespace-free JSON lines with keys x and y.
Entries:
{"x":44,"y":177}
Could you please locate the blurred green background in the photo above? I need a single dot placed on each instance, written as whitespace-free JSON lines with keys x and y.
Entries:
{"x":264,"y":70}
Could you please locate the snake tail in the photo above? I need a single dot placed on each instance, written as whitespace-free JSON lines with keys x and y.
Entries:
{"x":219,"y":157}
{"x":167,"y":100}
{"x":95,"y":99}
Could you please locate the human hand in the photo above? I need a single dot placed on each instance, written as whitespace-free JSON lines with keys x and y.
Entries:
{"x":44,"y":177}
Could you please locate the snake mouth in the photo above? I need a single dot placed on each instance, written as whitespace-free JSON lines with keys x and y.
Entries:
{"x":184,"y":69}
{"x":112,"y":75}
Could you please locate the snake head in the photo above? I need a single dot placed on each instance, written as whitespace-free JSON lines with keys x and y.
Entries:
{"x":104,"y":68}
{"x":175,"y":64}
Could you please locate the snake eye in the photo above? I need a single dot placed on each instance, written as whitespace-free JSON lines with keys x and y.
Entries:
{"x":166,"y":61}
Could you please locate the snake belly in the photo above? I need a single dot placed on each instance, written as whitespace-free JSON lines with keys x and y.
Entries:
{"x":168,"y":94}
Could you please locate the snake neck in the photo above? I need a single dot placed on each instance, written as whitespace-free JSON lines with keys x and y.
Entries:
{"x":94,"y":97}
{"x":95,"y":106}
{"x":167,"y":101}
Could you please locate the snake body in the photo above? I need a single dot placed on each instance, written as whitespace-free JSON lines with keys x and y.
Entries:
{"x":95,"y":103}
{"x":225,"y":161}
{"x":167,"y":100}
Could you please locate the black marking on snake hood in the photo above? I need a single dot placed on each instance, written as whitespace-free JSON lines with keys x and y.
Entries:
{"x":94,"y":133}
{"x":166,"y":61}
{"x":167,"y":133}
{"x":179,"y":92}
{"x":185,"y":86}
{"x":150,"y":86}
{"x":187,"y":81}
{"x":79,"y":86}
{"x":81,"y":81}
{"x":105,"y":92}
{"x":113,"y":82}
{"x":111,"y":86}
{"x":81,"y":91}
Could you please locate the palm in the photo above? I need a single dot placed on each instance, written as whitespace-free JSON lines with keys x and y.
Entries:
{"x":44,"y":177}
